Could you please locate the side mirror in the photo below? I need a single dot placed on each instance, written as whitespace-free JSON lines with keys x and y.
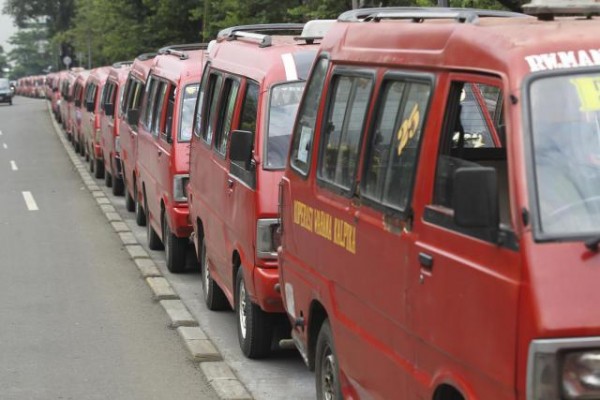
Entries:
{"x":89,"y":106}
{"x":133,"y":116}
{"x":475,"y":198}
{"x":109,"y":109}
{"x":240,"y":150}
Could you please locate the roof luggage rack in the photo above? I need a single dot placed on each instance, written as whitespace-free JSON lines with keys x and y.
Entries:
{"x":545,"y":10}
{"x":146,"y":56}
{"x":260,"y":33}
{"x":315,"y":30}
{"x":179,"y":50}
{"x":420,"y":14}
{"x":120,"y":64}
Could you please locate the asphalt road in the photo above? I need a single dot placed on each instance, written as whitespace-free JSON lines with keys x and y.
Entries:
{"x":76,"y":320}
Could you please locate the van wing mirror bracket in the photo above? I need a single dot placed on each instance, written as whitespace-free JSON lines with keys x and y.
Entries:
{"x":475,"y":199}
{"x":133,"y":116}
{"x":109,"y":109}
{"x":242,"y":144}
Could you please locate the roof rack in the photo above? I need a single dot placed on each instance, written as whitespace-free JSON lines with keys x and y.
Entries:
{"x":545,"y":10}
{"x":179,"y":50}
{"x":253,"y":32}
{"x":120,"y":64}
{"x":315,"y":30}
{"x":146,"y":56}
{"x":419,"y":14}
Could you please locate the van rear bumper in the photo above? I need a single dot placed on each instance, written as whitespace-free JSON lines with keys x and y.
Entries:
{"x":265,"y":294}
{"x":179,"y":217}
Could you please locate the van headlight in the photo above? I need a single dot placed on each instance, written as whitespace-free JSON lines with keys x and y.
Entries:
{"x":581,"y":375}
{"x":267,"y":237}
{"x":180,"y":187}
{"x":564,"y":369}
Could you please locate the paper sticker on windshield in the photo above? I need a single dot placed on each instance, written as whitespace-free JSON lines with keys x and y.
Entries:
{"x":305,"y":136}
{"x":191,"y":90}
{"x":408,"y":128}
{"x":588,"y":89}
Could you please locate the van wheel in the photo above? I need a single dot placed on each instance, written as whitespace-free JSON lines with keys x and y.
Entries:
{"x":175,"y":249}
{"x":326,"y":366}
{"x":107,"y":178}
{"x":99,"y":169}
{"x":89,"y":158}
{"x":154,"y":242}
{"x":140,"y":216}
{"x":129,"y":202}
{"x":255,"y":327}
{"x":82,"y":148}
{"x":213,"y":295}
{"x":118,"y":186}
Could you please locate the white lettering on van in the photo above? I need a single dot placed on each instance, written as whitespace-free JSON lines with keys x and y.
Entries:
{"x":563,"y":60}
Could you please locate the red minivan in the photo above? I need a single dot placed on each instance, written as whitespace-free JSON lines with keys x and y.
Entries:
{"x":238,"y":152}
{"x":76,"y":105}
{"x":65,"y":94}
{"x":91,"y":119}
{"x":164,"y":133}
{"x":128,"y":125}
{"x":441,"y":207}
{"x":112,"y":98}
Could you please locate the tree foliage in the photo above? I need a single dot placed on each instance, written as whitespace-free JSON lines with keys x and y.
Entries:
{"x":111,"y":30}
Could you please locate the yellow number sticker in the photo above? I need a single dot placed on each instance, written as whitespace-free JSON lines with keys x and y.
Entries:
{"x":588,"y":89}
{"x":408,"y":128}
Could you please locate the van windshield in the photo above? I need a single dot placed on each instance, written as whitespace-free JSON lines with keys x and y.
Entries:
{"x":283,"y":105}
{"x":565,"y":122}
{"x":188,"y":104}
{"x":4,"y":84}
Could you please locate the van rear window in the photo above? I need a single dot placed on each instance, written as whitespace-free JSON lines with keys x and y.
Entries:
{"x":283,"y":106}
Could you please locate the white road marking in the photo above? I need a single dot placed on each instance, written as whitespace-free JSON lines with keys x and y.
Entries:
{"x":0,"y":133}
{"x":4,"y":145}
{"x":30,"y":201}
{"x":13,"y":165}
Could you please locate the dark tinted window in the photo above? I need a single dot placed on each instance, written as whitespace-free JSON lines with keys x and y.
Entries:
{"x":230,"y":91}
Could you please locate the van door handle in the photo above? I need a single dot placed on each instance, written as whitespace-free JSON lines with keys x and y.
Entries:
{"x":229,"y":183}
{"x":159,"y":153}
{"x":426,"y":260}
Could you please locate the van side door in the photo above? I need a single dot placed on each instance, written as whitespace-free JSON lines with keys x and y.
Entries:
{"x":463,"y":280}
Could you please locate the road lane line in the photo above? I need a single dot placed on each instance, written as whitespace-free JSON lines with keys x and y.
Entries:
{"x":13,"y":165}
{"x":30,"y":201}
{"x":0,"y":133}
{"x":4,"y":145}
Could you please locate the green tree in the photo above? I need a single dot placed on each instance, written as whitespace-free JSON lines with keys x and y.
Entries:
{"x":31,"y":53}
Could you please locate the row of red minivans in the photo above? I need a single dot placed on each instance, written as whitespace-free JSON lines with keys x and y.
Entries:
{"x":414,"y":195}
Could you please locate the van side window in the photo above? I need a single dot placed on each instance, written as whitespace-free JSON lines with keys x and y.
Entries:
{"x":230,"y":90}
{"x":249,"y":108}
{"x":342,"y":130}
{"x":394,"y":142}
{"x":473,"y":136}
{"x":168,"y":131}
{"x":307,"y":118}
{"x":197,"y":124}
{"x":210,"y":106}
{"x":157,"y":112}
{"x":147,"y":110}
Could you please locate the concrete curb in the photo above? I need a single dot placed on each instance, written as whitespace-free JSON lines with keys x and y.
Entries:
{"x":201,"y":349}
{"x":161,"y":288}
{"x":178,"y":313}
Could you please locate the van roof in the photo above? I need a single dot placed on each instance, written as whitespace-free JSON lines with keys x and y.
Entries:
{"x":119,"y":73}
{"x":100,"y":74}
{"x":268,"y":61}
{"x":141,"y":66}
{"x":178,"y":64}
{"x":492,"y":45}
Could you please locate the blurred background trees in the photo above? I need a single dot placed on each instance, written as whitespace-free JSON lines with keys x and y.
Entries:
{"x":91,"y":33}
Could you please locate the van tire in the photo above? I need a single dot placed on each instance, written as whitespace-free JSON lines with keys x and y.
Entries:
{"x":129,"y":201}
{"x":255,"y":327}
{"x":107,"y":178}
{"x":327,"y":375}
{"x":213,"y":295}
{"x":175,"y":248}
{"x":140,"y":215}
{"x":118,"y":186}
{"x":98,"y":169}
{"x":154,"y":242}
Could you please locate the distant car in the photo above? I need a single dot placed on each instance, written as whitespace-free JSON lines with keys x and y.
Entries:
{"x":6,"y":93}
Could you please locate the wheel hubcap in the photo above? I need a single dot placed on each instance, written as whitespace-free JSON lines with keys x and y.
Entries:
{"x":328,"y":376}
{"x":242,"y":308}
